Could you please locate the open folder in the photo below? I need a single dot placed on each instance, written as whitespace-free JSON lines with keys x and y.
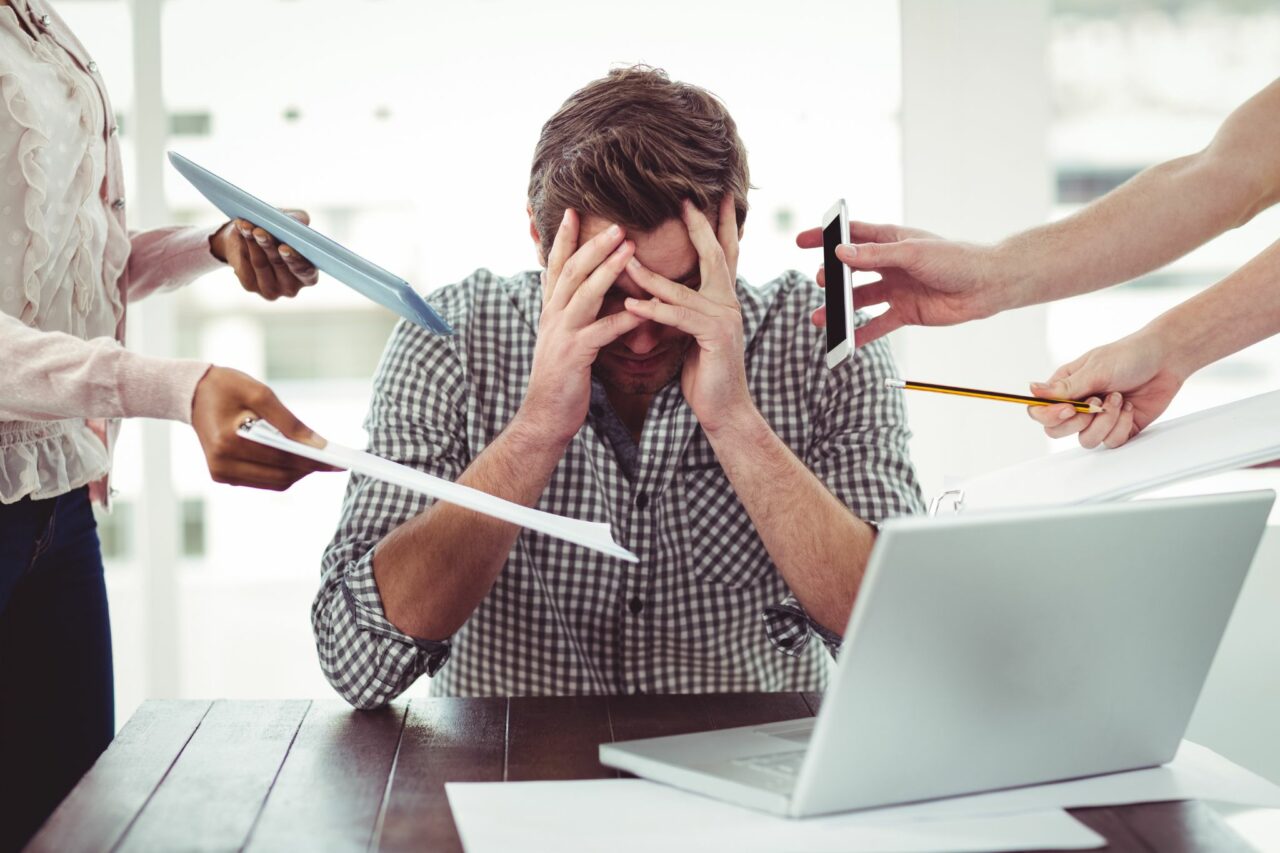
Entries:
{"x":589,"y":534}
{"x":366,"y":278}
{"x":1235,"y":435}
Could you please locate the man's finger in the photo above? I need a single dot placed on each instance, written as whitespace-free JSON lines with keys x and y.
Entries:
{"x":727,"y":231}
{"x":712,"y":263}
{"x":562,"y":248}
{"x":583,"y":263}
{"x":608,"y":329}
{"x":1069,"y":427}
{"x":675,"y":316}
{"x":876,"y":328}
{"x":871,"y":293}
{"x":871,"y":232}
{"x":819,"y":317}
{"x":1103,"y":423}
{"x":810,"y":238}
{"x":1123,"y":430}
{"x":876,"y":256}
{"x":300,"y":215}
{"x":1048,"y":416}
{"x":859,"y":232}
{"x":587,"y":299}
{"x":669,"y":291}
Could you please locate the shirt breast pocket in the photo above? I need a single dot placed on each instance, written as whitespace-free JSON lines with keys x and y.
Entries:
{"x":723,"y":546}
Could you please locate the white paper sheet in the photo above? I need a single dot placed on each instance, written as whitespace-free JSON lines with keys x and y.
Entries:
{"x":589,"y":534}
{"x":624,"y":815}
{"x":627,"y":814}
{"x":1196,"y":773}
{"x":1219,"y":439}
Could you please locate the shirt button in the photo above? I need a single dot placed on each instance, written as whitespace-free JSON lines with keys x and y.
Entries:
{"x":642,"y":500}
{"x":45,"y":20}
{"x":118,"y":204}
{"x":92,"y":66}
{"x":635,"y":605}
{"x":115,"y":130}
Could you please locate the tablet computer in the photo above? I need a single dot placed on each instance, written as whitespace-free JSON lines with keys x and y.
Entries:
{"x":366,"y":278}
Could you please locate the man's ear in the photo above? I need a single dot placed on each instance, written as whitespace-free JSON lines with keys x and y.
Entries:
{"x":537,"y":238}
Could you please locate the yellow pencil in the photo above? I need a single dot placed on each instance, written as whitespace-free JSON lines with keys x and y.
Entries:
{"x":1086,"y":408}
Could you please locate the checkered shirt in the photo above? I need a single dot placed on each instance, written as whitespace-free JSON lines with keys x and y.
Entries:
{"x":705,"y":609}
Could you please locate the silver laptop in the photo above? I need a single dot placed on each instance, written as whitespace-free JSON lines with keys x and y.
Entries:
{"x":992,"y":651}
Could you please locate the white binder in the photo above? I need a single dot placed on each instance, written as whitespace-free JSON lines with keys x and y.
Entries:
{"x":1235,"y":435}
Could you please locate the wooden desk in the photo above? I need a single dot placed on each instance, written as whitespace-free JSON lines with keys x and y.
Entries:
{"x":299,"y":775}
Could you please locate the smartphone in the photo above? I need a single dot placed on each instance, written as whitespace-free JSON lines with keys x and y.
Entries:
{"x":839,"y":285}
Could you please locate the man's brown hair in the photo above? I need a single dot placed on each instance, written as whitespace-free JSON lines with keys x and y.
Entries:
{"x":630,"y":147}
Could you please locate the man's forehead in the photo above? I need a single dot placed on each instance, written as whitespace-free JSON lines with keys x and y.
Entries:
{"x":666,"y":249}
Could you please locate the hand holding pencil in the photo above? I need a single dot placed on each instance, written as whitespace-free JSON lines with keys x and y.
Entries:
{"x":1106,"y":396}
{"x":1133,"y":379}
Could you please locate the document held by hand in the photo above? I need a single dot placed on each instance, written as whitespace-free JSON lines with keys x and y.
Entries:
{"x":589,"y":534}
{"x":1223,"y":438}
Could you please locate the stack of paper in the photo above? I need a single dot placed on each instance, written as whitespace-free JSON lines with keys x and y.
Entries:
{"x":1220,"y":439}
{"x":622,"y":815}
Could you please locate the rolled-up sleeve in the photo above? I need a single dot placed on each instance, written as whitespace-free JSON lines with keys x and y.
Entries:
{"x":859,"y":450}
{"x":416,"y":417}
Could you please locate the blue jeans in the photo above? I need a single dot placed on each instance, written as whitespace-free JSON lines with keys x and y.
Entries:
{"x":57,"y":710}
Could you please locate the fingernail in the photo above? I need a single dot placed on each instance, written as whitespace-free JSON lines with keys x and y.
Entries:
{"x":286,"y":251}
{"x":633,"y":264}
{"x":849,"y":248}
{"x":1128,"y":405}
{"x":1038,"y":386}
{"x":614,"y":230}
{"x":1064,"y":414}
{"x":565,"y":218}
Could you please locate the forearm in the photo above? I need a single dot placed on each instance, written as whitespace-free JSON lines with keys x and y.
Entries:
{"x":818,"y":545}
{"x":53,"y":375}
{"x":1160,"y":215}
{"x":168,"y":258}
{"x":435,"y":569}
{"x":1238,"y":311}
{"x":1157,"y":217}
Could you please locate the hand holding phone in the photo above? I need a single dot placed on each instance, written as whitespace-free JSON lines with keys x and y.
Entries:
{"x":839,"y":285}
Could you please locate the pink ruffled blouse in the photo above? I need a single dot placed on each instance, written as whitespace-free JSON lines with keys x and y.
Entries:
{"x":68,"y":268}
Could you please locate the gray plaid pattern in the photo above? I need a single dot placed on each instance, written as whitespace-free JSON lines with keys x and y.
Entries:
{"x":563,"y":620}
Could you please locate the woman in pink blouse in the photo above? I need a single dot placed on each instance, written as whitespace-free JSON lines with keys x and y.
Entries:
{"x":68,"y":269}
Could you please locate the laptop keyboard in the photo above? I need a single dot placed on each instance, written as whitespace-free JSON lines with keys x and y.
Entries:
{"x":785,"y":764}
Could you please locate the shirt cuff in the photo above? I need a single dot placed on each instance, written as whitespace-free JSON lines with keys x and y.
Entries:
{"x":162,"y":388}
{"x":361,"y":593}
{"x":789,"y":628}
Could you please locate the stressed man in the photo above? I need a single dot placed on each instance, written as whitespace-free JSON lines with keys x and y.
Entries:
{"x":633,"y":380}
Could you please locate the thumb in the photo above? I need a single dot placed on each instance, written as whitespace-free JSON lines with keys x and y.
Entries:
{"x":1069,"y":383}
{"x":268,"y":407}
{"x":300,"y":215}
{"x":875,"y":256}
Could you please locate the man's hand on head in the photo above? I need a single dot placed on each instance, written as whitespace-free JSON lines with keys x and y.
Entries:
{"x":714,"y":378}
{"x":569,"y":333}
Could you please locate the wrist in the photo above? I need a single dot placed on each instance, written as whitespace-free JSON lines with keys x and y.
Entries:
{"x":743,"y":424}
{"x":218,"y":243}
{"x":1011,"y":277}
{"x":1173,"y":339}
{"x":535,"y":436}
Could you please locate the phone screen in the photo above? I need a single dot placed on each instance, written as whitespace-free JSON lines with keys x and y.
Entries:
{"x":833,"y":270}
